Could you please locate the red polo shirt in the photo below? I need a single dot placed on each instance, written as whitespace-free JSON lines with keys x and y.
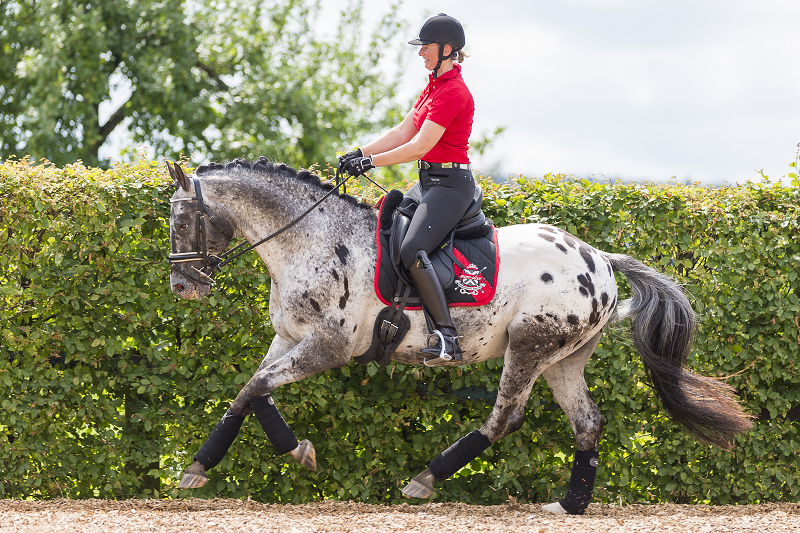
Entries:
{"x":447,"y":102}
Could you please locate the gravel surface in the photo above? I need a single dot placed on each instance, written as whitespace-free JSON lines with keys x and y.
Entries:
{"x":88,"y":516}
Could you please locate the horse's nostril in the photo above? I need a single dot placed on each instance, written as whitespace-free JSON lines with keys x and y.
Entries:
{"x":178,"y":287}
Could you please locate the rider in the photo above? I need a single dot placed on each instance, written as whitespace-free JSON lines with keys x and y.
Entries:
{"x":436,"y":133}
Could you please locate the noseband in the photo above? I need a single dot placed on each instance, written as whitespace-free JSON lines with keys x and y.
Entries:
{"x":212,"y":262}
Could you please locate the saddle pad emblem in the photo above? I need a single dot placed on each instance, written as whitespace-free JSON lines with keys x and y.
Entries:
{"x":469,"y":280}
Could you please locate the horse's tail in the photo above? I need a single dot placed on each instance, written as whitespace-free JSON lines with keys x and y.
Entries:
{"x":663,"y":327}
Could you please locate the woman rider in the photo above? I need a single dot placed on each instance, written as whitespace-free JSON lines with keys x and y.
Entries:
{"x":436,"y":133}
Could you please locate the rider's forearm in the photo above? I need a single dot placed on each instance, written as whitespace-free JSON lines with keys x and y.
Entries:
{"x":388,"y":141}
{"x":410,"y":151}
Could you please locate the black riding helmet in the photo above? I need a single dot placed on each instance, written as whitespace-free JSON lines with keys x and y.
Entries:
{"x":441,"y":29}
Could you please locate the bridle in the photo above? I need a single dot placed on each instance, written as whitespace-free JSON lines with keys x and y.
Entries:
{"x":212,"y":262}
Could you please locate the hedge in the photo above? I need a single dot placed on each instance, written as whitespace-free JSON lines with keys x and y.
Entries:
{"x":109,"y":383}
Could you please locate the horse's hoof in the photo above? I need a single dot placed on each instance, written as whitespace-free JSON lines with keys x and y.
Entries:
{"x":421,"y":486}
{"x":192,"y":481}
{"x":305,"y":455}
{"x":554,"y":508}
{"x":194,"y":477}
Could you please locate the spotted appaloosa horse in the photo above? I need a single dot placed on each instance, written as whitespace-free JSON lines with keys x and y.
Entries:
{"x":554,"y":295}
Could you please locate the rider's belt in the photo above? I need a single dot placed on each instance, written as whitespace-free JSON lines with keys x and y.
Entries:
{"x":424,"y":165}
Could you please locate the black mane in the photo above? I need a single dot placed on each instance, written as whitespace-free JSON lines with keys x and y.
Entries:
{"x":262,"y":165}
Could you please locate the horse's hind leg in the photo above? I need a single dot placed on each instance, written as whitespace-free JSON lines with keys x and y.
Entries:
{"x":569,"y":388}
{"x":520,"y":370}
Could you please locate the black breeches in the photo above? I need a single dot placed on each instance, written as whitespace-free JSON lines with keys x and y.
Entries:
{"x":446,"y":195}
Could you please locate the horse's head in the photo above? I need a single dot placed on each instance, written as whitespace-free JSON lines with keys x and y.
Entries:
{"x":197,"y":237}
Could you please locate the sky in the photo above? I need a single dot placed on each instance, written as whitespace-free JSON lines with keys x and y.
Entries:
{"x":694,"y":90}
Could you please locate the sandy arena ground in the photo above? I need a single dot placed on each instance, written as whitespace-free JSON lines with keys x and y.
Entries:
{"x":88,"y":516}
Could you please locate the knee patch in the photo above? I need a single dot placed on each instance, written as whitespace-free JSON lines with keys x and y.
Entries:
{"x":221,"y":438}
{"x":276,"y":428}
{"x":459,"y":455}
{"x":581,"y":482}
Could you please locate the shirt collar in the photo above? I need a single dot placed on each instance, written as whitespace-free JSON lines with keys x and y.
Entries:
{"x":453,"y":73}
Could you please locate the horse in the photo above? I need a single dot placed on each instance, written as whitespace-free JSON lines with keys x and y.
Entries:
{"x":555,"y":294}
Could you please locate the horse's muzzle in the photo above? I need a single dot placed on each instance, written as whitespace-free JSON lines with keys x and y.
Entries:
{"x":186,"y":288}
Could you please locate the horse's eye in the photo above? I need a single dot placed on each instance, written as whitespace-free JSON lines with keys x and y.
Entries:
{"x":184,"y":227}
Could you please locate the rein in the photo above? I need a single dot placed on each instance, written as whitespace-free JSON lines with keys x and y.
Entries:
{"x":213,"y":262}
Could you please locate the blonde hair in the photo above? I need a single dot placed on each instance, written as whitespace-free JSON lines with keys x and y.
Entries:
{"x":459,"y":57}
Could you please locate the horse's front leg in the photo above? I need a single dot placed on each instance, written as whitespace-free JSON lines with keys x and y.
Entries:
{"x":226,"y":431}
{"x":315,"y":354}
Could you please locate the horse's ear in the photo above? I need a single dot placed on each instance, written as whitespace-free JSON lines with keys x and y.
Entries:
{"x":178,"y":177}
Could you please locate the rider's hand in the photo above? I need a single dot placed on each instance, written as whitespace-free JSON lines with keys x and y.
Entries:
{"x":351,"y":155}
{"x":358,"y":165}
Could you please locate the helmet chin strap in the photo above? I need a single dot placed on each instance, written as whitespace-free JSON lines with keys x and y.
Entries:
{"x":442,"y":58}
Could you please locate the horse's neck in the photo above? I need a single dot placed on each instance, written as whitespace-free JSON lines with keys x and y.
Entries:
{"x":261,"y":206}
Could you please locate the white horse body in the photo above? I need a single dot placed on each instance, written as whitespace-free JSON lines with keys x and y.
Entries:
{"x":521,"y":296}
{"x":554,"y":295}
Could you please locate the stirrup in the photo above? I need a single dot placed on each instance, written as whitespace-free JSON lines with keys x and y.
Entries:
{"x":443,"y":356}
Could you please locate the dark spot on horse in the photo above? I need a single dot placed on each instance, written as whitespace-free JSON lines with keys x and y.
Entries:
{"x":314,"y":304}
{"x":341,"y":322}
{"x":548,"y":238}
{"x":572,"y":319}
{"x":571,"y":241}
{"x":583,"y":291}
{"x":301,"y":320}
{"x":342,"y":252}
{"x":355,"y":328}
{"x":551,"y":230}
{"x":562,"y":248}
{"x":610,"y":272}
{"x":594,"y":316}
{"x":586,"y":281}
{"x":576,"y":344}
{"x":505,"y":304}
{"x":562,"y":342}
{"x":485,"y":343}
{"x":343,"y":299}
{"x":604,"y":299}
{"x":613,"y":303}
{"x":305,"y":294}
{"x":335,"y":275}
{"x":586,"y":253}
{"x":480,"y":339}
{"x":551,"y":315}
{"x":547,"y":277}
{"x":540,"y":318}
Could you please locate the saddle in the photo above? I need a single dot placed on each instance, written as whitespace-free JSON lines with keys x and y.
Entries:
{"x":466,"y":263}
{"x":401,"y":207}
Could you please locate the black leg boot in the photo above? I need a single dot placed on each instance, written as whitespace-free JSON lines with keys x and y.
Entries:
{"x":442,"y":342}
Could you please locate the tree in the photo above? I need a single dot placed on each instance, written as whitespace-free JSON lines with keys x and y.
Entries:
{"x":214,"y":77}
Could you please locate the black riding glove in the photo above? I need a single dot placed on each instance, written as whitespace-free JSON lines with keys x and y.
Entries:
{"x":351,"y":155}
{"x":358,"y":166}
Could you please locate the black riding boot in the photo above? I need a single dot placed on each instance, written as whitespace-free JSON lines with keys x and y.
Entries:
{"x":445,"y":346}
